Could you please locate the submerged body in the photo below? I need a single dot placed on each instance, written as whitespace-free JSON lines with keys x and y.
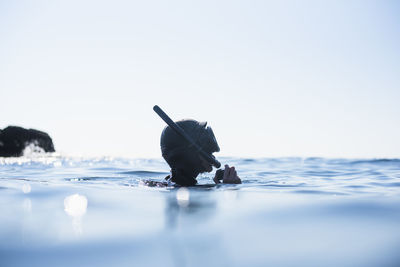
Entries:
{"x":225,"y":176}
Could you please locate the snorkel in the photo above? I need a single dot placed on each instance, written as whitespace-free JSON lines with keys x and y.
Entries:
{"x":209,"y":158}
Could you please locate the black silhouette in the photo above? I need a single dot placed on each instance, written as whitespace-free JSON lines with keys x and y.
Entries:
{"x":14,"y":139}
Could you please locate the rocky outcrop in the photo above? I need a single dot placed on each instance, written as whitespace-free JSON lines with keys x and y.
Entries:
{"x":13,"y":141}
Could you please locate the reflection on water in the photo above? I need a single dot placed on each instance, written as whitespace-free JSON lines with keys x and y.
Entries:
{"x":75,"y":206}
{"x":27,"y":205}
{"x":183,"y":196}
{"x":187,"y":207}
{"x":26,"y":188}
{"x":230,"y":195}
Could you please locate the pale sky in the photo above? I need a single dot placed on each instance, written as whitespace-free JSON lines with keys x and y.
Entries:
{"x":272,"y":78}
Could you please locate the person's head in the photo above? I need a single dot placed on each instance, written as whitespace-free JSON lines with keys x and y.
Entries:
{"x":179,"y":153}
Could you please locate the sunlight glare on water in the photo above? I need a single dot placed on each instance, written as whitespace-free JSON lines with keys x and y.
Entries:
{"x":75,"y":205}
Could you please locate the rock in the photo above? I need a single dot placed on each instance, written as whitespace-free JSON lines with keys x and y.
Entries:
{"x":13,"y":141}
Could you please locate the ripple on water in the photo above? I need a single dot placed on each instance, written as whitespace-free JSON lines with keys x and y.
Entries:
{"x":339,"y":175}
{"x":140,"y":173}
{"x":376,"y":161}
{"x":319,"y":192}
{"x":394,"y":184}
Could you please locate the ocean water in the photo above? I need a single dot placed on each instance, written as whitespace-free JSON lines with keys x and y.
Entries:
{"x":64,"y":211}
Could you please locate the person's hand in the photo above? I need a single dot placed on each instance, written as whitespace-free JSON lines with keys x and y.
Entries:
{"x":230,"y":176}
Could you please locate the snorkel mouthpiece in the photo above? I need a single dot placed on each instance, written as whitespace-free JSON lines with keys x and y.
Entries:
{"x":208,"y":157}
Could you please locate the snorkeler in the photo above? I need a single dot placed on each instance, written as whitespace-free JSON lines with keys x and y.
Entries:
{"x":187,"y":146}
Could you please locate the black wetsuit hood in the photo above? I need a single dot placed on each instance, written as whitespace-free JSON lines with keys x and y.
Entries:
{"x":180,"y":155}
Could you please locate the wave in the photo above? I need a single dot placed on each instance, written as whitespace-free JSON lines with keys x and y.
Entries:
{"x":376,"y":161}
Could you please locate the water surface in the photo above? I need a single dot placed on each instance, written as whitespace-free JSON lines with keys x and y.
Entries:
{"x":63,"y":211}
